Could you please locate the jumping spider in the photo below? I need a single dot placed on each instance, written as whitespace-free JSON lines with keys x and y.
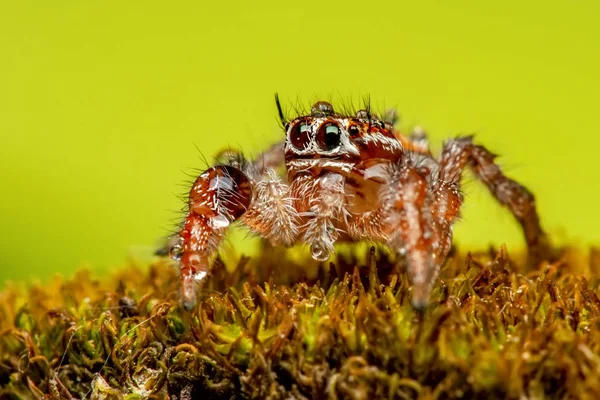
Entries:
{"x":348,"y":177}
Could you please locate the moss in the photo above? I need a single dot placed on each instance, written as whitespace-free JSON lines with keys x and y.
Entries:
{"x":269,"y":329}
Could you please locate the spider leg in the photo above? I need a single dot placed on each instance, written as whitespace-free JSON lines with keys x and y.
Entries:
{"x":459,"y":152}
{"x":223,"y":194}
{"x":416,"y":142}
{"x":324,"y":198}
{"x":445,"y":209}
{"x":410,"y":226}
{"x":220,"y":195}
{"x":272,"y":158}
{"x":272,"y":214}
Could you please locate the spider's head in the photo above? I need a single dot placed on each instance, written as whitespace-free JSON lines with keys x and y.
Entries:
{"x":326,"y":140}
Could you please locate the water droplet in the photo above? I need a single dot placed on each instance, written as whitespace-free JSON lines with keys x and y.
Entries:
{"x":220,"y":221}
{"x":176,"y":250}
{"x":321,"y":109}
{"x":200,"y":276}
{"x":319,"y":251}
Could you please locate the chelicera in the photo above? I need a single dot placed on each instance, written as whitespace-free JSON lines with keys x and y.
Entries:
{"x":347,"y":178}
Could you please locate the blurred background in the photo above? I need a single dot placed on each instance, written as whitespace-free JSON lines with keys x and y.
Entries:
{"x":106,"y":105}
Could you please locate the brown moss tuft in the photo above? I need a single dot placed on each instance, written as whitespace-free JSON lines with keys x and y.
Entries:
{"x":266,"y":330}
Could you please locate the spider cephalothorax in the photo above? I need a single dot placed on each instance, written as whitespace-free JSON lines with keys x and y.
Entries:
{"x":348,"y":177}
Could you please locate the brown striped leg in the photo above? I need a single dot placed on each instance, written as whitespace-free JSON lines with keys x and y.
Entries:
{"x":445,"y":208}
{"x":272,"y":158}
{"x":455,"y":156}
{"x":219,"y":196}
{"x":411,"y":230}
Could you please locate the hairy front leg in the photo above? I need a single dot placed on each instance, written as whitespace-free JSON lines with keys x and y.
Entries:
{"x":321,"y":203}
{"x":219,"y":196}
{"x":272,"y":214}
{"x":223,"y":194}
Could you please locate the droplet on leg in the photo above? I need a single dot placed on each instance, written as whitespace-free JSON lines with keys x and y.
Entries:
{"x":320,"y":251}
{"x":200,"y":275}
{"x":176,"y":251}
{"x":221,"y":191}
{"x":219,"y":221}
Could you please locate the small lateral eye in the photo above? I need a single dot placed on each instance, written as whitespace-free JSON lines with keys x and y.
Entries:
{"x":353,"y":130}
{"x":300,"y":135}
{"x":329,"y":136}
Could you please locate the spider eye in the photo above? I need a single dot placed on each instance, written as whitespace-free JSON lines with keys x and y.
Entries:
{"x":329,"y":136}
{"x":353,"y":130}
{"x":300,"y":135}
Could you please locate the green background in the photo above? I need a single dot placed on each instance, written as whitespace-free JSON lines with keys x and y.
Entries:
{"x":102,"y":105}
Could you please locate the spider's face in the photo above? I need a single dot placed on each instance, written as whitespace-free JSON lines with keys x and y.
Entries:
{"x":325,"y":140}
{"x":320,"y":134}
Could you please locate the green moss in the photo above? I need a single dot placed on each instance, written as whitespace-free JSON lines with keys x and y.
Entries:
{"x":269,"y":329}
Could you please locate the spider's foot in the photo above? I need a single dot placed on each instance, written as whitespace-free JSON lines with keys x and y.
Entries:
{"x":193,"y":272}
{"x":420,"y":296}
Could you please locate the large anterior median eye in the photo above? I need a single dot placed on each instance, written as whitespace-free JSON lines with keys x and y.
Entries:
{"x":300,"y":135}
{"x":329,"y":136}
